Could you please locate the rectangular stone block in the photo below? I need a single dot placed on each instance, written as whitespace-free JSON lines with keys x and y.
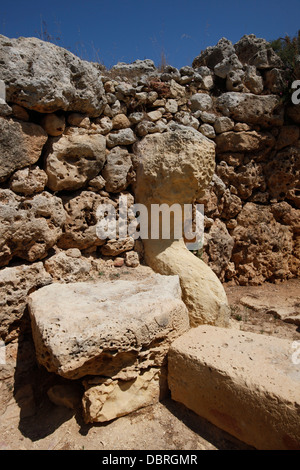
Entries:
{"x":246,"y":384}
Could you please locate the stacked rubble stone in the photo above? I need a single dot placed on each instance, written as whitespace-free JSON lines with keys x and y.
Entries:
{"x":68,"y":135}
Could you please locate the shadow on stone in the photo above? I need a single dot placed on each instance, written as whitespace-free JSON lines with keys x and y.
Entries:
{"x":38,"y":416}
{"x":220,"y":439}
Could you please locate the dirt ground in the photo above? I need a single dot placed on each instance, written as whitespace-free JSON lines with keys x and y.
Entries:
{"x":29,"y":421}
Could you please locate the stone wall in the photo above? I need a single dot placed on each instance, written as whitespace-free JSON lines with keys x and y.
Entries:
{"x":69,"y":130}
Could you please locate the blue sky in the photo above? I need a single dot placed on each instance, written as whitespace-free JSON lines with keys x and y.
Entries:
{"x":126,"y":30}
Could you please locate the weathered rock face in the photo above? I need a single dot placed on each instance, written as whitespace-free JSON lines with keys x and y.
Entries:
{"x":21,"y":144}
{"x":247,"y":107}
{"x":214,"y":55}
{"x":80,"y":227}
{"x":105,"y":400}
{"x":218,"y":133}
{"x":185,"y":171}
{"x":29,"y":226}
{"x":68,"y":266}
{"x":93,"y":122}
{"x":72,"y":160}
{"x":118,"y":171}
{"x":118,"y":331}
{"x":283,"y":174}
{"x":270,"y":251}
{"x":16,"y":283}
{"x":46,"y":78}
{"x":257,"y":51}
{"x":28,"y":181}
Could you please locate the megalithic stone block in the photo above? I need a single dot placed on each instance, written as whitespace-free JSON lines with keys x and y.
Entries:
{"x":245,"y":383}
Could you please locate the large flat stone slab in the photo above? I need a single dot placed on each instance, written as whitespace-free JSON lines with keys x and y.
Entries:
{"x":107,"y":328}
{"x":246,"y":384}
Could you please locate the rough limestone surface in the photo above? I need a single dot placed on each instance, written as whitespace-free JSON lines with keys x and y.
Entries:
{"x":68,"y":266}
{"x":15,"y":284}
{"x":98,"y":328}
{"x":29,"y":226}
{"x":213,"y":55}
{"x":202,"y":291}
{"x":71,"y":160}
{"x":250,"y":108}
{"x":271,"y":249}
{"x":111,"y":399}
{"x":244,"y":383}
{"x":117,"y":170}
{"x":183,"y":173}
{"x":28,"y":181}
{"x":46,"y":78}
{"x":21,"y":144}
{"x":257,"y":51}
{"x":81,"y":220}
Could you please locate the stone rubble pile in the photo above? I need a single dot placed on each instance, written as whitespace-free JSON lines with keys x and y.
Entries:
{"x":69,"y":130}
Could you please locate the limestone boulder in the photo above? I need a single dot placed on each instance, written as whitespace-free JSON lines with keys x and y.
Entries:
{"x":116,"y":247}
{"x":118,"y":170}
{"x":244,"y":383}
{"x":263,"y":110}
{"x":257,"y":51}
{"x":213,"y":55}
{"x":202,"y":291}
{"x":15,"y":284}
{"x":29,"y":226}
{"x":72,"y":160}
{"x":68,"y":266}
{"x":21,"y":145}
{"x":229,"y":64}
{"x":200,"y":102}
{"x":28,"y":181}
{"x":252,"y":141}
{"x":120,"y":137}
{"x":81,"y":220}
{"x":180,"y":178}
{"x":46,"y":78}
{"x":106,"y":329}
{"x":110,"y":399}
{"x":185,"y":170}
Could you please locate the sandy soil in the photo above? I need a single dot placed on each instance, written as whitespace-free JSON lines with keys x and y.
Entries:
{"x":28,"y":420}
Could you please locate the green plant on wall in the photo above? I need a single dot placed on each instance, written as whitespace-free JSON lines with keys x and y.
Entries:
{"x":288,"y":49}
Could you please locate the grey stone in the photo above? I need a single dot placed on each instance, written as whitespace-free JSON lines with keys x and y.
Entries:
{"x":213,"y":55}
{"x":117,"y":169}
{"x":200,"y":102}
{"x":121,"y":137}
{"x":21,"y":145}
{"x":257,"y":51}
{"x":47,"y":78}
